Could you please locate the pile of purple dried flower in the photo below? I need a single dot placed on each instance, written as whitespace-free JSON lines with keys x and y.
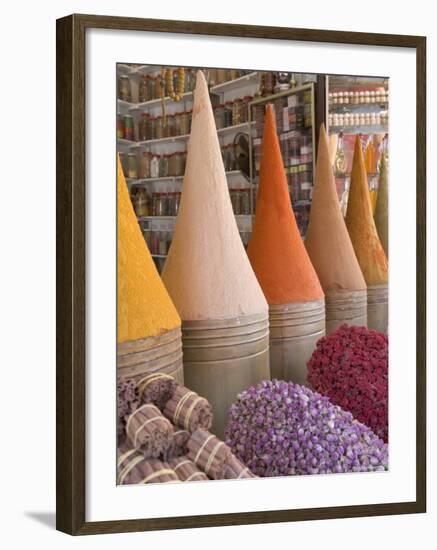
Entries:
{"x":279,"y":428}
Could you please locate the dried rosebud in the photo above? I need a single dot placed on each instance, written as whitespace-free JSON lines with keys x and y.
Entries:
{"x":355,"y":375}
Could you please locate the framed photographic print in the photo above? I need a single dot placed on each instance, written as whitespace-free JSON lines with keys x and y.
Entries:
{"x":240,"y":250}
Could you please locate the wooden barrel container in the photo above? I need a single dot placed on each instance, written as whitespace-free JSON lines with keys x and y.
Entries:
{"x":294,"y":331}
{"x":377,"y":307}
{"x":224,"y":357}
{"x":161,"y":353}
{"x":345,"y":307}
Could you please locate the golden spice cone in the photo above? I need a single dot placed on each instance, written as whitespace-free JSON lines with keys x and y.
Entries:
{"x":143,"y":305}
{"x":361,"y":226}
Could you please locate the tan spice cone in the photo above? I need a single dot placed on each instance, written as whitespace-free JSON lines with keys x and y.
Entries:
{"x":209,"y":277}
{"x":330,"y":249}
{"x":333,"y":144}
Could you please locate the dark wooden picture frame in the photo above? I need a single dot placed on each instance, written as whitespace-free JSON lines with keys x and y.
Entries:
{"x":71,"y":246}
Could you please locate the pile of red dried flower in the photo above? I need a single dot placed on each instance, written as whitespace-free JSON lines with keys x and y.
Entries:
{"x":350,"y":366}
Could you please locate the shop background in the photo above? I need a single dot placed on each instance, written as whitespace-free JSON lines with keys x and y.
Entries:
{"x":27,"y":224}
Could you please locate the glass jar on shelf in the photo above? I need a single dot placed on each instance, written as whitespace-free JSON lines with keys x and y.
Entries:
{"x":170,"y":129}
{"x":147,"y":233}
{"x":145,"y":164}
{"x":154,"y":166}
{"x":151,"y":127}
{"x":228,"y":157}
{"x":141,"y":202}
{"x":219,"y":116}
{"x":179,"y":163}
{"x":221,"y":76}
{"x":151,"y":87}
{"x":132,"y":166}
{"x":120,"y":127}
{"x":124,"y":88}
{"x":245,"y":108}
{"x":184,"y":123}
{"x":143,"y":127}
{"x":159,"y":129}
{"x":172,"y":165}
{"x":268,"y":82}
{"x":163,"y":243}
{"x":143,"y":89}
{"x":129,"y":127}
{"x":158,"y":204}
{"x":177,"y":201}
{"x":236,"y":111}
{"x":164,"y":166}
{"x":154,"y":241}
{"x":177,"y":124}
{"x":228,"y":113}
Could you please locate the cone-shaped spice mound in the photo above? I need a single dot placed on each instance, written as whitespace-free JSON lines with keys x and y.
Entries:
{"x":333,"y":144}
{"x":381,"y":212}
{"x":361,"y":226}
{"x":350,"y":366}
{"x":144,"y":306}
{"x":327,"y":240}
{"x":280,"y":428}
{"x":276,"y":250}
{"x":207,"y":272}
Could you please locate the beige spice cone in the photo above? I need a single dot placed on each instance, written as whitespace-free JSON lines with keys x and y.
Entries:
{"x":207,"y":272}
{"x":327,"y":240}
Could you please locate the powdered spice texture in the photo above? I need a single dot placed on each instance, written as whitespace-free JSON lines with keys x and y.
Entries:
{"x":276,"y":250}
{"x":144,"y":307}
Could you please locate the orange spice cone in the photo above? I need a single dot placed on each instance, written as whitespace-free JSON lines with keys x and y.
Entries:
{"x":330,"y":249}
{"x":381,"y":210}
{"x":209,"y":277}
{"x":366,"y":243}
{"x":148,"y":325}
{"x":283,"y":268}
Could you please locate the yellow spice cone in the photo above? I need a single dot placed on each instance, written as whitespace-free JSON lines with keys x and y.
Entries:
{"x":144,"y":306}
{"x":381,"y":211}
{"x":361,"y":226}
{"x":327,"y":240}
